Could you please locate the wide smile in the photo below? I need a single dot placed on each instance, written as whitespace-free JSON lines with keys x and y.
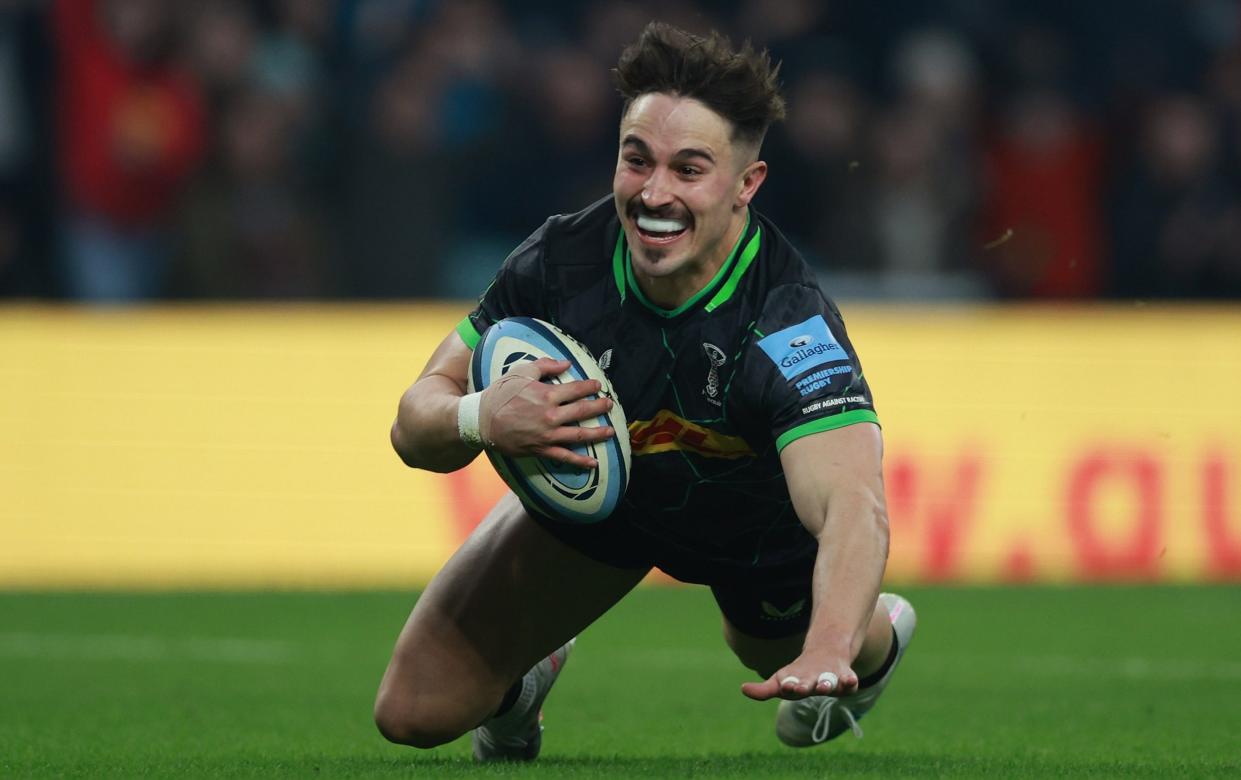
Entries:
{"x":660,"y":231}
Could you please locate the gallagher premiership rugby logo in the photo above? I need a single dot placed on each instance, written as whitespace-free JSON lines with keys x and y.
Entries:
{"x":802,"y":347}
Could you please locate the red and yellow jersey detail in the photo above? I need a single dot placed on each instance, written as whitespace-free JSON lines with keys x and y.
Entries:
{"x":668,"y":432}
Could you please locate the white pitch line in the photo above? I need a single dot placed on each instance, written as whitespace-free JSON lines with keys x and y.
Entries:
{"x":122,"y":647}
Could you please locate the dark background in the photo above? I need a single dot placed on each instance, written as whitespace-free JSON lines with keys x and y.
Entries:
{"x":314,"y":149}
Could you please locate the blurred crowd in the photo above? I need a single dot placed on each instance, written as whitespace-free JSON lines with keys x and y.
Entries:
{"x":1049,"y":149}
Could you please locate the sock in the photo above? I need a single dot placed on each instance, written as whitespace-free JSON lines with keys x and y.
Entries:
{"x":510,"y":698}
{"x":878,"y":674}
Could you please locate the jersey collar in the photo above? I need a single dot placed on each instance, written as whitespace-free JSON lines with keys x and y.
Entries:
{"x":723,"y":284}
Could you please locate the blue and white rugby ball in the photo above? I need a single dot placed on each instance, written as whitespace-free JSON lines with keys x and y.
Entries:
{"x":552,"y":488}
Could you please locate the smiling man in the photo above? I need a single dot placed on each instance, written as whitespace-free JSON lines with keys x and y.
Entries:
{"x":756,"y":448}
{"x":676,"y":187}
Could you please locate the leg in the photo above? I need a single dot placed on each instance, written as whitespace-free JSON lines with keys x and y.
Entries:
{"x":765,"y":627}
{"x":817,"y":719}
{"x":765,"y":656}
{"x":510,"y":596}
{"x":876,"y":645}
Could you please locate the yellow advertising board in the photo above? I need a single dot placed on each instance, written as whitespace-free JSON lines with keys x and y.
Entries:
{"x":247,"y":446}
{"x":1059,"y":443}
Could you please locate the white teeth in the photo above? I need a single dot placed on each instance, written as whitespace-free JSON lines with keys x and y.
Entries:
{"x":652,"y":225}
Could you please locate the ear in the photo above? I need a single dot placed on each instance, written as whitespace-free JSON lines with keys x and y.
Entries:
{"x":751,"y":179}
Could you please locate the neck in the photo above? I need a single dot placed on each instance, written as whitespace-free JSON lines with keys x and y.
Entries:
{"x":670,"y":292}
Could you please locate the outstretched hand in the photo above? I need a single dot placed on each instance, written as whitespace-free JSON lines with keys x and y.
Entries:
{"x":521,"y":415}
{"x":806,"y":676}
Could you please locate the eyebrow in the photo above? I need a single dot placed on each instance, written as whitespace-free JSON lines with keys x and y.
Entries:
{"x":640,"y":145}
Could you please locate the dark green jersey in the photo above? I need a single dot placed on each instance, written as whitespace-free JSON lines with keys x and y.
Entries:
{"x":713,"y":390}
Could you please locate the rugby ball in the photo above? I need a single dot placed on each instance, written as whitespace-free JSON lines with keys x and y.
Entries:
{"x":554,"y":489}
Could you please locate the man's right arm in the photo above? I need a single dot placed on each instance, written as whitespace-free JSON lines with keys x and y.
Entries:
{"x":518,"y":415}
{"x":424,"y":432}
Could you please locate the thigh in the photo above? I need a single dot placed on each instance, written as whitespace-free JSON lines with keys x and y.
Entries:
{"x":768,"y":606}
{"x":765,"y":618}
{"x":509,"y":596}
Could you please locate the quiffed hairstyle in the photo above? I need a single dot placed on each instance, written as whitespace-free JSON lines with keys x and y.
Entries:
{"x":742,"y":86}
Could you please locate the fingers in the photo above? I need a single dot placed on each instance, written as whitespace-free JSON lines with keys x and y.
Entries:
{"x":572,"y":391}
{"x":576,"y":435}
{"x":828,"y":684}
{"x":523,"y":383}
{"x":561,"y":439}
{"x":561,"y":392}
{"x":761,"y":691}
{"x":787,"y":684}
{"x":536,"y":369}
{"x":793,"y":687}
{"x":557,"y":392}
{"x":568,"y":456}
{"x":585,"y":409}
{"x":549,"y":367}
{"x":844,"y":685}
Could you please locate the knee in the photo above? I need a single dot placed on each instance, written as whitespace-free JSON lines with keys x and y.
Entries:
{"x":414,"y":721}
{"x":763,"y":656}
{"x":762,"y":666}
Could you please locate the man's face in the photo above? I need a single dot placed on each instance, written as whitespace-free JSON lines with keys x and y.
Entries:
{"x":681,"y":187}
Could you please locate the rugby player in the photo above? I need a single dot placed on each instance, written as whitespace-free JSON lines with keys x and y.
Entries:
{"x":756,"y":447}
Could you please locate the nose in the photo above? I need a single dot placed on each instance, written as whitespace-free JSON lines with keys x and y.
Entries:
{"x":655,"y":191}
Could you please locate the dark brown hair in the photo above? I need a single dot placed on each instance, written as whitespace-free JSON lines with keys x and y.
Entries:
{"x":740,"y":85}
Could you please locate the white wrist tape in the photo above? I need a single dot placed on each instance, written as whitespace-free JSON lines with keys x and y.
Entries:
{"x":467,"y":420}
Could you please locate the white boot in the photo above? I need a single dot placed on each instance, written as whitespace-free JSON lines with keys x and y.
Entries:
{"x":817,"y":719}
{"x":517,"y":735}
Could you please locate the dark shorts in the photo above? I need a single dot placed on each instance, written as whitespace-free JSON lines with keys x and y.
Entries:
{"x":769,"y":602}
{"x":769,"y":607}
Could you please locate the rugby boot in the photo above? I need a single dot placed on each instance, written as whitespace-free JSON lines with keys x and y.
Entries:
{"x":817,"y":719}
{"x":517,"y":735}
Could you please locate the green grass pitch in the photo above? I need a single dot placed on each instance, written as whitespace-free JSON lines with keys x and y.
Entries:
{"x":1020,"y":682}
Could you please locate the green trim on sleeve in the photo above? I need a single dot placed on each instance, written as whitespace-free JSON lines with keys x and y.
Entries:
{"x":825,"y":424}
{"x":467,"y":332}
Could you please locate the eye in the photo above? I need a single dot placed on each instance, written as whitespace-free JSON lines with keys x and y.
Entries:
{"x":635,"y":162}
{"x":689,"y":170}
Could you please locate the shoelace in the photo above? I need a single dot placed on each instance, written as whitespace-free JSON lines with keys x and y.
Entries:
{"x":824,"y":722}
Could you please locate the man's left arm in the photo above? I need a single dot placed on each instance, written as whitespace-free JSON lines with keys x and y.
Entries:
{"x":835,"y":479}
